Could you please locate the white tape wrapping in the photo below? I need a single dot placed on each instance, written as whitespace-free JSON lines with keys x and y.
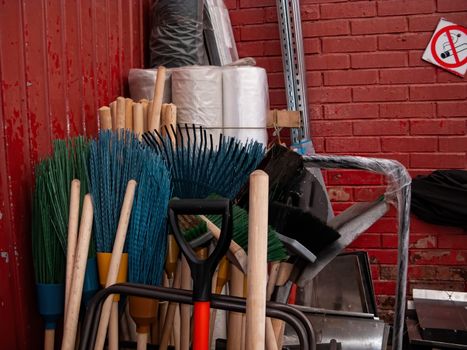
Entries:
{"x":197,"y":93}
{"x":245,"y":103}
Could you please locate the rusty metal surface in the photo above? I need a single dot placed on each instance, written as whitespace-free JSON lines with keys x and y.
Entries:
{"x":59,"y":61}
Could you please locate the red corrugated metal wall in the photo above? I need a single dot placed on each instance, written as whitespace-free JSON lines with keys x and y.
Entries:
{"x":59,"y":61}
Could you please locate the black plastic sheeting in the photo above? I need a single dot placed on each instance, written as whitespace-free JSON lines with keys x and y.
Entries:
{"x":441,"y":198}
{"x":177,"y":33}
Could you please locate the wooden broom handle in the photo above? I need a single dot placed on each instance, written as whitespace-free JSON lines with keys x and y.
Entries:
{"x":169,"y":318}
{"x":257,"y":264}
{"x":113,"y":114}
{"x":49,"y":339}
{"x":142,"y":341}
{"x":129,"y":114}
{"x":234,"y":248}
{"x":105,"y":118}
{"x":169,"y":121}
{"x":155,"y":111}
{"x":73,"y":218}
{"x":113,"y":326}
{"x":138,"y":119}
{"x":235,"y":318}
{"x":79,"y":268}
{"x":121,"y":107}
{"x":115,"y":261}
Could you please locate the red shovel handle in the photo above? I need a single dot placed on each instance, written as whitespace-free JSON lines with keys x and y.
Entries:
{"x":201,"y":314}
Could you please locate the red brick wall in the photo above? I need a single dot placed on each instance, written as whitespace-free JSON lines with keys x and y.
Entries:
{"x":371,"y":94}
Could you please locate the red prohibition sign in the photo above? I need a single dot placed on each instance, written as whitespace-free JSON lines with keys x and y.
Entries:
{"x":447,"y":30}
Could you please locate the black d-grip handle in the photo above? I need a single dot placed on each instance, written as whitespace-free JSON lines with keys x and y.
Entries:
{"x":202,"y":270}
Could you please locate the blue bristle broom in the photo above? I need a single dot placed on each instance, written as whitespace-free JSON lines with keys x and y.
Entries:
{"x":115,"y":159}
{"x":147,"y":239}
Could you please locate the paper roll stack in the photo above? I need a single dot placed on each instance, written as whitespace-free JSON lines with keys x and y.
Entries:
{"x":141,"y":83}
{"x":245,"y":103}
{"x":197,"y":93}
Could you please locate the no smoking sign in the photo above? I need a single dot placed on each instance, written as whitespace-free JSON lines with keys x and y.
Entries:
{"x":448,"y":48}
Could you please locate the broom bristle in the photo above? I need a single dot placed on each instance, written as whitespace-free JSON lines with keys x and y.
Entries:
{"x":276,"y":250}
{"x":48,"y":255}
{"x":147,"y":236}
{"x":199,"y":169}
{"x":115,"y":158}
{"x":302,"y":226}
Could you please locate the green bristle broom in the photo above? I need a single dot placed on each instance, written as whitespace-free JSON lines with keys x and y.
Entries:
{"x":48,"y":258}
{"x":69,"y":161}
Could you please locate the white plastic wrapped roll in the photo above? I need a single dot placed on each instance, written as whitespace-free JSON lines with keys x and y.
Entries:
{"x":197,"y":93}
{"x":141,"y":83}
{"x":245,"y":103}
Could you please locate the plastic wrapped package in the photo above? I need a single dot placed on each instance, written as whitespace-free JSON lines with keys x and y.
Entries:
{"x":245,"y":103}
{"x":398,"y":193}
{"x":142,"y":82}
{"x":197,"y":93}
{"x":218,"y":34}
{"x":177,"y":33}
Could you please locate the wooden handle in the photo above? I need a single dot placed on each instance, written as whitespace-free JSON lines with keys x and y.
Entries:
{"x":169,"y":121}
{"x":146,"y":110}
{"x":79,"y":267}
{"x":185,"y":310}
{"x":121,"y":107}
{"x":285,"y":270}
{"x":73,"y":219}
{"x":113,"y":113}
{"x":128,"y":114}
{"x":142,"y":341}
{"x":169,"y":318}
{"x":115,"y":260}
{"x":155,"y":115}
{"x":113,"y":327}
{"x":257,"y":260}
{"x":49,"y":339}
{"x":234,"y":248}
{"x":235,"y":318}
{"x":271,"y":342}
{"x":105,"y":118}
{"x":176,"y":328}
{"x":138,"y":119}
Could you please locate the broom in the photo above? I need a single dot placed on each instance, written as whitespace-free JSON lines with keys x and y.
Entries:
{"x":147,"y":239}
{"x":115,"y":159}
{"x":48,"y":258}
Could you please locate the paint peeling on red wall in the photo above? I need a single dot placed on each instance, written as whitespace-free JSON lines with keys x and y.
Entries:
{"x":59,"y":61}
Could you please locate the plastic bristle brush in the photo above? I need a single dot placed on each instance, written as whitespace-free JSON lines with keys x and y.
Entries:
{"x":147,"y":239}
{"x":116,"y":159}
{"x":48,"y":258}
{"x":276,"y":250}
{"x":199,"y":169}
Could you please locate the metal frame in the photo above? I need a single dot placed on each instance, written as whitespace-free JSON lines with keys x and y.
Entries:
{"x":287,"y":313}
{"x":400,"y":194}
{"x":293,"y":57}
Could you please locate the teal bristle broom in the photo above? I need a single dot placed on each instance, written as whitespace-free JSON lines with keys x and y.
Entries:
{"x":115,"y":159}
{"x":48,"y":258}
{"x":147,"y":239}
{"x":198,"y":169}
